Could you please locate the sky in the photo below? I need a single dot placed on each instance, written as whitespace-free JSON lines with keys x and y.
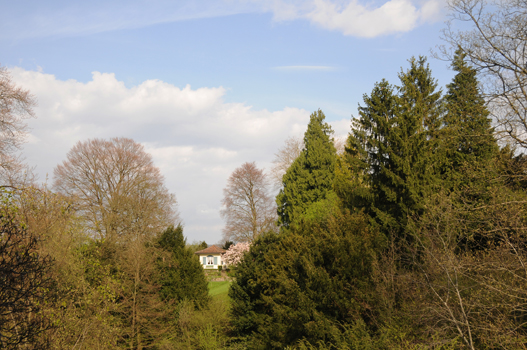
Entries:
{"x":205,"y":85}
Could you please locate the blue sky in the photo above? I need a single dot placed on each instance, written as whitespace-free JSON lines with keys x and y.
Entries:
{"x":206,"y":85}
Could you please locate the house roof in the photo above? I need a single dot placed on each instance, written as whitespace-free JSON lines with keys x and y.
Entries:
{"x":211,"y":250}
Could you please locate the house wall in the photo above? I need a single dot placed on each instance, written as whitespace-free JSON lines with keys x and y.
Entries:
{"x":214,"y":258}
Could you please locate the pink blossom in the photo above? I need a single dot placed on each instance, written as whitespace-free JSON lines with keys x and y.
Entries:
{"x":235,"y":253}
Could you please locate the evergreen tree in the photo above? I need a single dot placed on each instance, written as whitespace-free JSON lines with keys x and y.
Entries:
{"x":181,"y":274}
{"x":311,"y":175}
{"x":468,"y":135}
{"x":400,"y":136}
{"x":286,"y":291}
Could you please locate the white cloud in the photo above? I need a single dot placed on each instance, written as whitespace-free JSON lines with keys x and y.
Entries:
{"x":360,"y":19}
{"x":196,"y":138}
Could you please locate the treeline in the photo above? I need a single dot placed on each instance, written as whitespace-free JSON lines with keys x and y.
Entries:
{"x":413,"y":238}
{"x":101,"y":261}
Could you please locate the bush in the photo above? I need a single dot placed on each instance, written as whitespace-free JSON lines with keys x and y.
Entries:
{"x":285,"y":291}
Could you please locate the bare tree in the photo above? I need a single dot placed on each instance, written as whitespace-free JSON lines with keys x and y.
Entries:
{"x":471,"y":260}
{"x":496,"y":46}
{"x":16,"y":105}
{"x":248,"y":208}
{"x":117,"y":188}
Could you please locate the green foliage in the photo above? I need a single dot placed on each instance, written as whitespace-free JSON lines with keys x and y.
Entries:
{"x":204,"y":329}
{"x":227,"y":245}
{"x":181,"y":275}
{"x":398,"y":135}
{"x":311,"y":176}
{"x":467,"y":134}
{"x":351,"y":175}
{"x":25,"y":284}
{"x":307,"y":283}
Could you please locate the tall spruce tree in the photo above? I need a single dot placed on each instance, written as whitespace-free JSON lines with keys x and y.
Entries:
{"x":400,"y":135}
{"x":311,"y":175}
{"x":468,"y":135}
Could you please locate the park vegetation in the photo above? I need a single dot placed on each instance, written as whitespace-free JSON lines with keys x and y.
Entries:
{"x":413,"y":235}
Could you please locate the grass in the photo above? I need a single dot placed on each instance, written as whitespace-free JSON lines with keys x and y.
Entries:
{"x":219,"y":289}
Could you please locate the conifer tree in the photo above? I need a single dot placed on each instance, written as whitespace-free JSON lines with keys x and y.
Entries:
{"x":181,"y":275}
{"x":468,"y":135}
{"x":400,"y":135}
{"x":311,"y":175}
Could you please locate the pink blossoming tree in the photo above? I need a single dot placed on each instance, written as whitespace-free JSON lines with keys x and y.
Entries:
{"x":235,"y":253}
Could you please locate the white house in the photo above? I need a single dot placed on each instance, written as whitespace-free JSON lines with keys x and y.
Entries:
{"x":211,"y":257}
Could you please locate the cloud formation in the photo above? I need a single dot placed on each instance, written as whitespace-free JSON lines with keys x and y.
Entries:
{"x":360,"y":19}
{"x":196,"y":138}
{"x":350,"y":17}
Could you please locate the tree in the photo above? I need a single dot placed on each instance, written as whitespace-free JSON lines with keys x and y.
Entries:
{"x":25,"y":286}
{"x":16,"y":105}
{"x":180,"y":274}
{"x":283,"y":159}
{"x":234,"y":255}
{"x":496,"y":46}
{"x":117,"y":188}
{"x":311,"y":176}
{"x":248,"y":209}
{"x":286,"y":291}
{"x":467,"y":133}
{"x":399,"y":134}
{"x":287,"y":154}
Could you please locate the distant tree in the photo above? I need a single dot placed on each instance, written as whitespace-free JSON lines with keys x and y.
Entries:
{"x":248,"y":208}
{"x":117,"y":188}
{"x":25,"y":284}
{"x":181,"y":274}
{"x":16,"y":105}
{"x":227,"y":245}
{"x":311,"y":175}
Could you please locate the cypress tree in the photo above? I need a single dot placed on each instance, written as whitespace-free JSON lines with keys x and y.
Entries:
{"x":311,"y":175}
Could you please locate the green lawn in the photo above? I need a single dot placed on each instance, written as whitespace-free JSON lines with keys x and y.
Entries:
{"x":219,"y":289}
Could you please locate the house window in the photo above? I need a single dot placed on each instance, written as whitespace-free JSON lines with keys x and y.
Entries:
{"x":210,"y":260}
